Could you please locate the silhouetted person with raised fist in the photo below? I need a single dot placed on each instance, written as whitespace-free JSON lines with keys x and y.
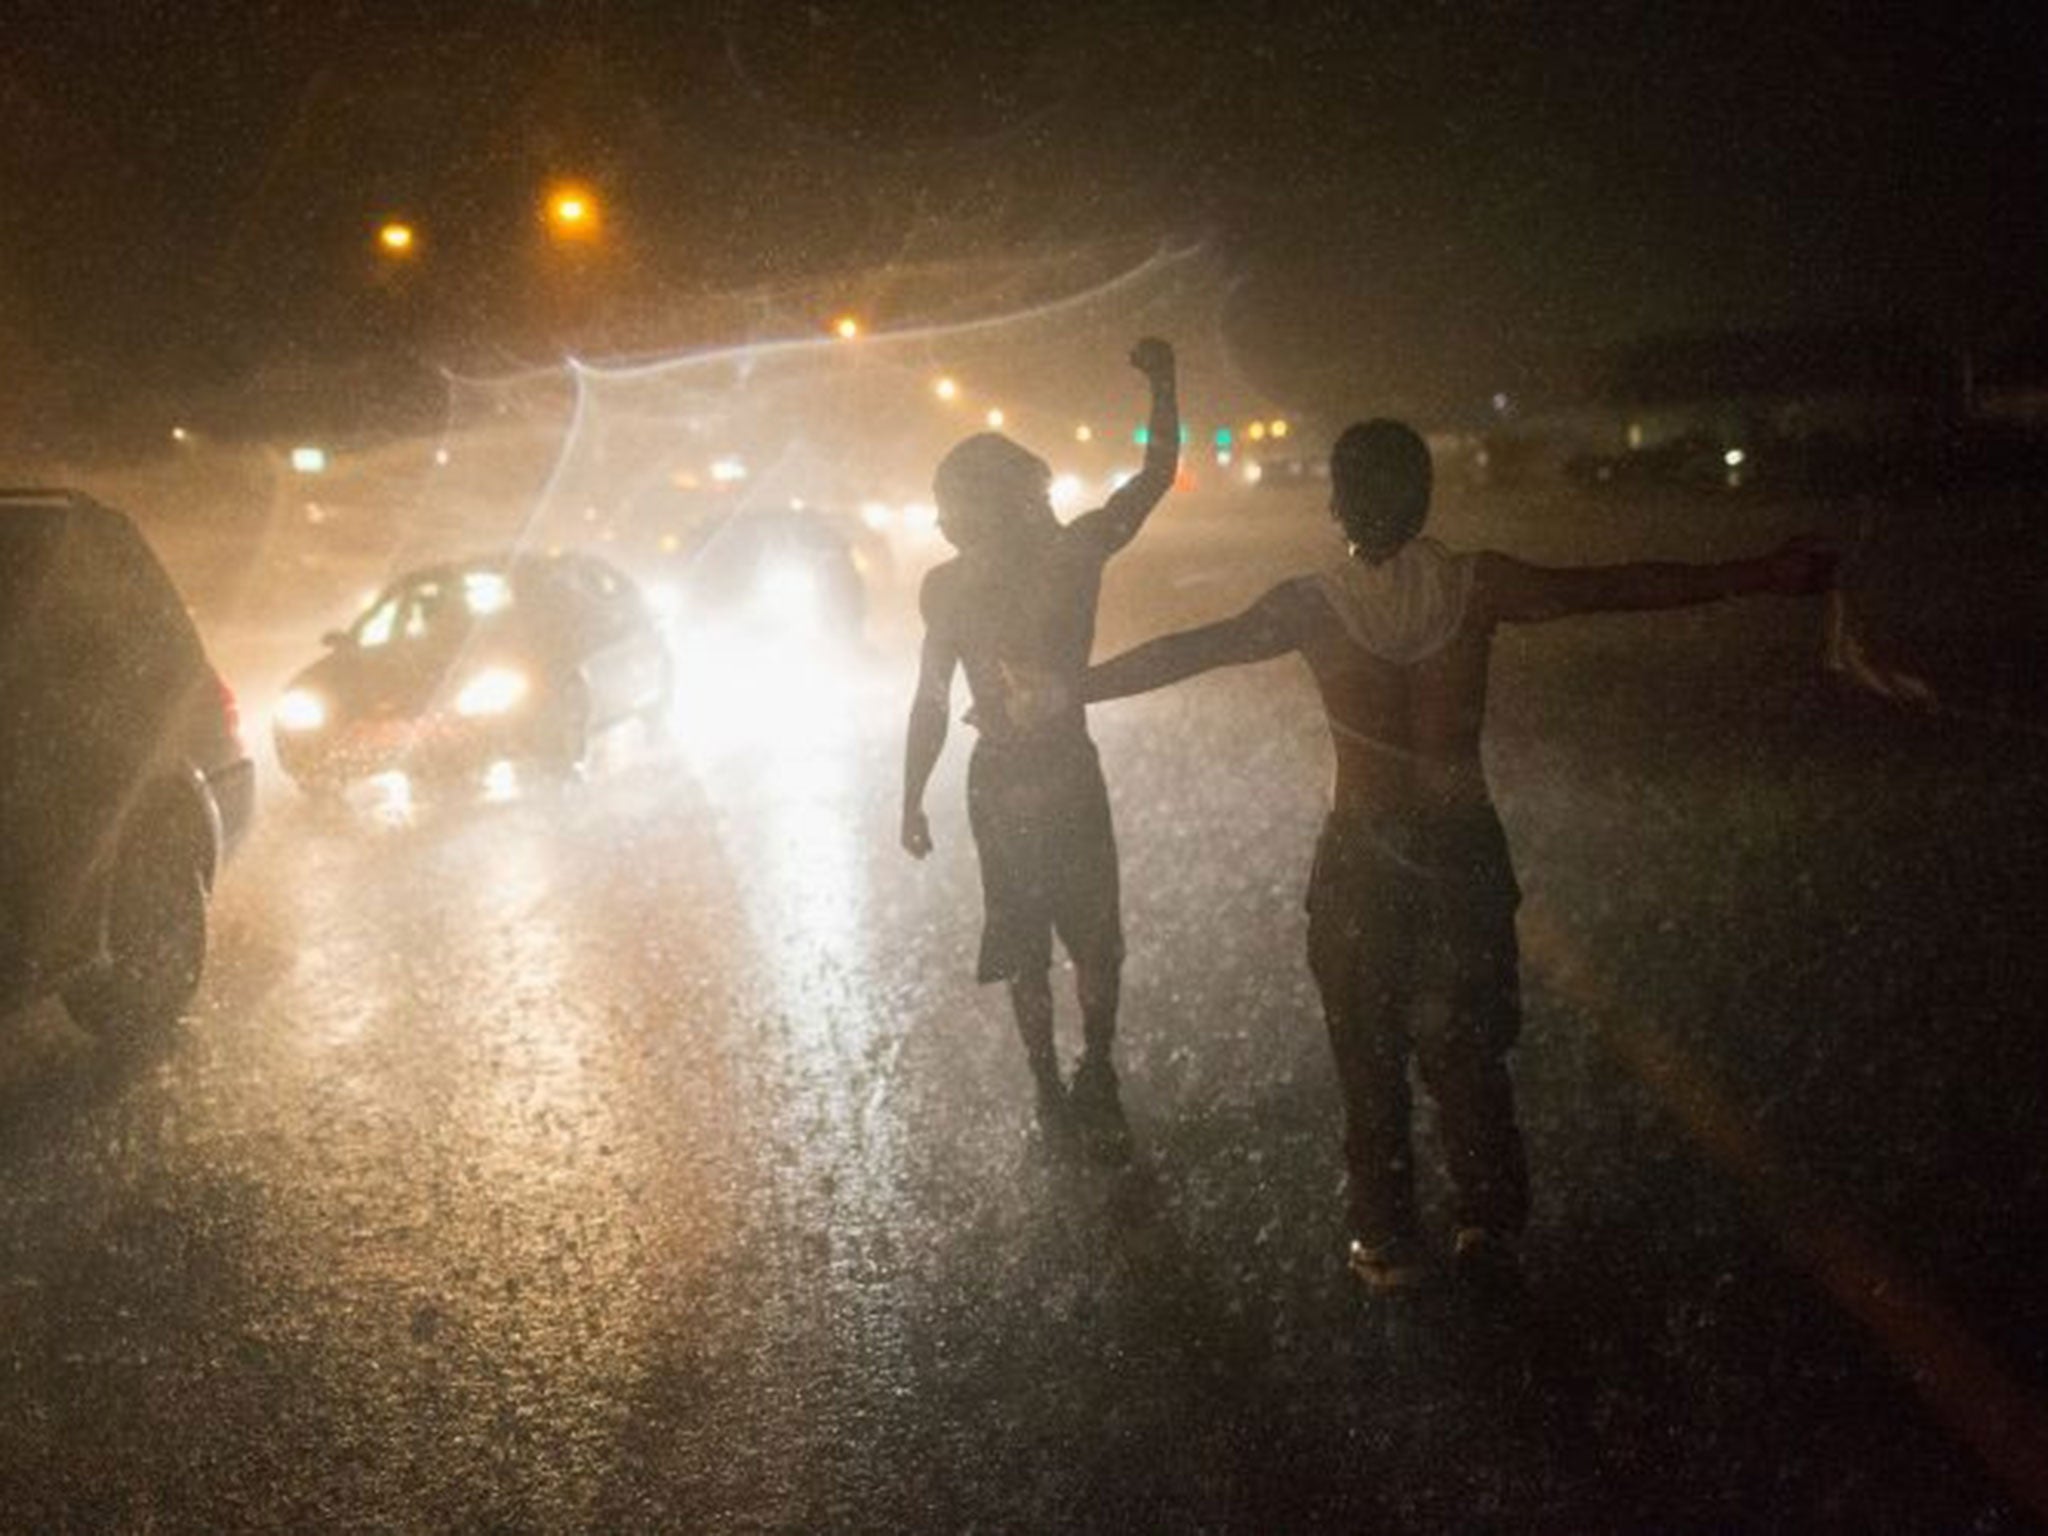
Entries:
{"x":1016,"y":611}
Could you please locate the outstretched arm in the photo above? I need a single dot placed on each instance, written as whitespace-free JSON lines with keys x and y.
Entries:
{"x":1118,"y":520}
{"x":925,"y":738}
{"x":1512,"y":592}
{"x":1263,"y":631}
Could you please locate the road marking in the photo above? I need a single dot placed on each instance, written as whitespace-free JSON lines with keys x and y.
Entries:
{"x":1954,"y":1373}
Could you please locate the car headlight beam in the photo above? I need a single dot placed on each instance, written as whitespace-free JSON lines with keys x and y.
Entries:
{"x":301,"y":710}
{"x":493,"y":691}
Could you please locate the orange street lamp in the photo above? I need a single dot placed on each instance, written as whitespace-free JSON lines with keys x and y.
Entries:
{"x":846,"y":328}
{"x":572,"y":212}
{"x":946,"y":389}
{"x":396,"y":239}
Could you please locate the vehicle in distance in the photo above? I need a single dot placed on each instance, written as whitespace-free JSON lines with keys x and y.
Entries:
{"x":457,"y":668}
{"x":773,"y":573}
{"x":122,"y":774}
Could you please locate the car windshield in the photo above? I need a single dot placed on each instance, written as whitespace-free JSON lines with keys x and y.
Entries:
{"x":434,"y":609}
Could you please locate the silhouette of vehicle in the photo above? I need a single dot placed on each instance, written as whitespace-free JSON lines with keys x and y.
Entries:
{"x":455,"y":668}
{"x":774,"y":573}
{"x":122,"y":774}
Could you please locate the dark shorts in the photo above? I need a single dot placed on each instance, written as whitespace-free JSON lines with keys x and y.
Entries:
{"x":1041,"y":824}
{"x":1415,"y":915}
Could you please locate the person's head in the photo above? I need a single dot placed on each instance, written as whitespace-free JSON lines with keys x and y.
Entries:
{"x":991,"y":492}
{"x":1379,"y":485}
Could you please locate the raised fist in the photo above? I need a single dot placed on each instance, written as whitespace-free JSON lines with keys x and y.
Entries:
{"x":1153,"y":358}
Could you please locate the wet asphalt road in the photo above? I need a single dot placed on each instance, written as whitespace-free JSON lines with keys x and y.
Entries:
{"x":639,"y":1154}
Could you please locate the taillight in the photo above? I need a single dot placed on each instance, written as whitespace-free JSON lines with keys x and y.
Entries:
{"x":230,"y":710}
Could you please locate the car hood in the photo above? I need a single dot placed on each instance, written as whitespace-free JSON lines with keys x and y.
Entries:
{"x":398,"y":681}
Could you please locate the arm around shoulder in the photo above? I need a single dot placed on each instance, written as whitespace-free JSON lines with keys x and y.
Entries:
{"x":1263,"y":631}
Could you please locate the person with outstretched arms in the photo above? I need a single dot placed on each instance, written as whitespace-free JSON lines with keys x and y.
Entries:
{"x":1412,"y":895}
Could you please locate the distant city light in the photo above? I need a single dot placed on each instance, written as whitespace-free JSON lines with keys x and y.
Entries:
{"x":396,"y":239}
{"x":1256,"y":431}
{"x":947,"y":389}
{"x":1066,"y":491}
{"x":1733,"y":458}
{"x":1084,"y":433}
{"x":309,"y":460}
{"x":180,"y":435}
{"x":995,"y":416}
{"x":1277,"y":428}
{"x":875,"y":515}
{"x":846,"y":328}
{"x":441,"y":457}
{"x":1254,"y":473}
{"x":728,"y":471}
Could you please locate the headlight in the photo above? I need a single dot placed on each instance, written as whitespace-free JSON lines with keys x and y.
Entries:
{"x":491,"y":692}
{"x":789,"y":592}
{"x":301,"y":709}
{"x":664,"y":599}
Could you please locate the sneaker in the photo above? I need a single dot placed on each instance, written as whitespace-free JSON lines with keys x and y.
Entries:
{"x":1055,"y":1116}
{"x":1485,"y":1265}
{"x":1098,"y":1114}
{"x":1398,"y":1264}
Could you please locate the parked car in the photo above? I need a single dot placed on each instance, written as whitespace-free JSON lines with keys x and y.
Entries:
{"x":122,"y":774}
{"x":455,"y":668}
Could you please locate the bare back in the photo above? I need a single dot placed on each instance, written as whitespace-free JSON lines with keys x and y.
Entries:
{"x":1406,"y":736}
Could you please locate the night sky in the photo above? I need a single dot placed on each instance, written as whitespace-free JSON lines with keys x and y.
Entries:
{"x":1426,"y":202}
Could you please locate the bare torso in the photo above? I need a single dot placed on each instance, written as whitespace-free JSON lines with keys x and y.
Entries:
{"x":1406,"y":736}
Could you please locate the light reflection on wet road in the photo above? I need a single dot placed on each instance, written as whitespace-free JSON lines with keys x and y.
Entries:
{"x":639,"y":1153}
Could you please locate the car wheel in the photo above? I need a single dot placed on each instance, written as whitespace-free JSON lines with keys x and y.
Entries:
{"x":155,"y":942}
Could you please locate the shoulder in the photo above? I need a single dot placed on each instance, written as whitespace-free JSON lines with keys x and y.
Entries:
{"x":1290,"y":608}
{"x":938,"y":593}
{"x":1497,"y":579}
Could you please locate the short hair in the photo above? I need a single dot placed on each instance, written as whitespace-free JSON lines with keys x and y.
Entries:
{"x":1379,"y":484}
{"x":979,"y":484}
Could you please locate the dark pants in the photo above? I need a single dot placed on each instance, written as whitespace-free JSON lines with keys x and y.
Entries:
{"x":1042,"y":828}
{"x":1412,"y":942}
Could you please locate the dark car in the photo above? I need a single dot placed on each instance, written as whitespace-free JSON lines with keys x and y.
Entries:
{"x":455,"y":668}
{"x":123,"y":782}
{"x":784,"y":572}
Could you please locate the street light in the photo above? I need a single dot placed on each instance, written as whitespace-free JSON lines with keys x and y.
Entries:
{"x":995,"y":417}
{"x":572,"y":212}
{"x":946,"y":389}
{"x":397,"y":239}
{"x":846,"y":328}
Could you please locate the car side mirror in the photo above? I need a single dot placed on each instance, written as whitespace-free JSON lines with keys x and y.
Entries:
{"x":334,"y":639}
